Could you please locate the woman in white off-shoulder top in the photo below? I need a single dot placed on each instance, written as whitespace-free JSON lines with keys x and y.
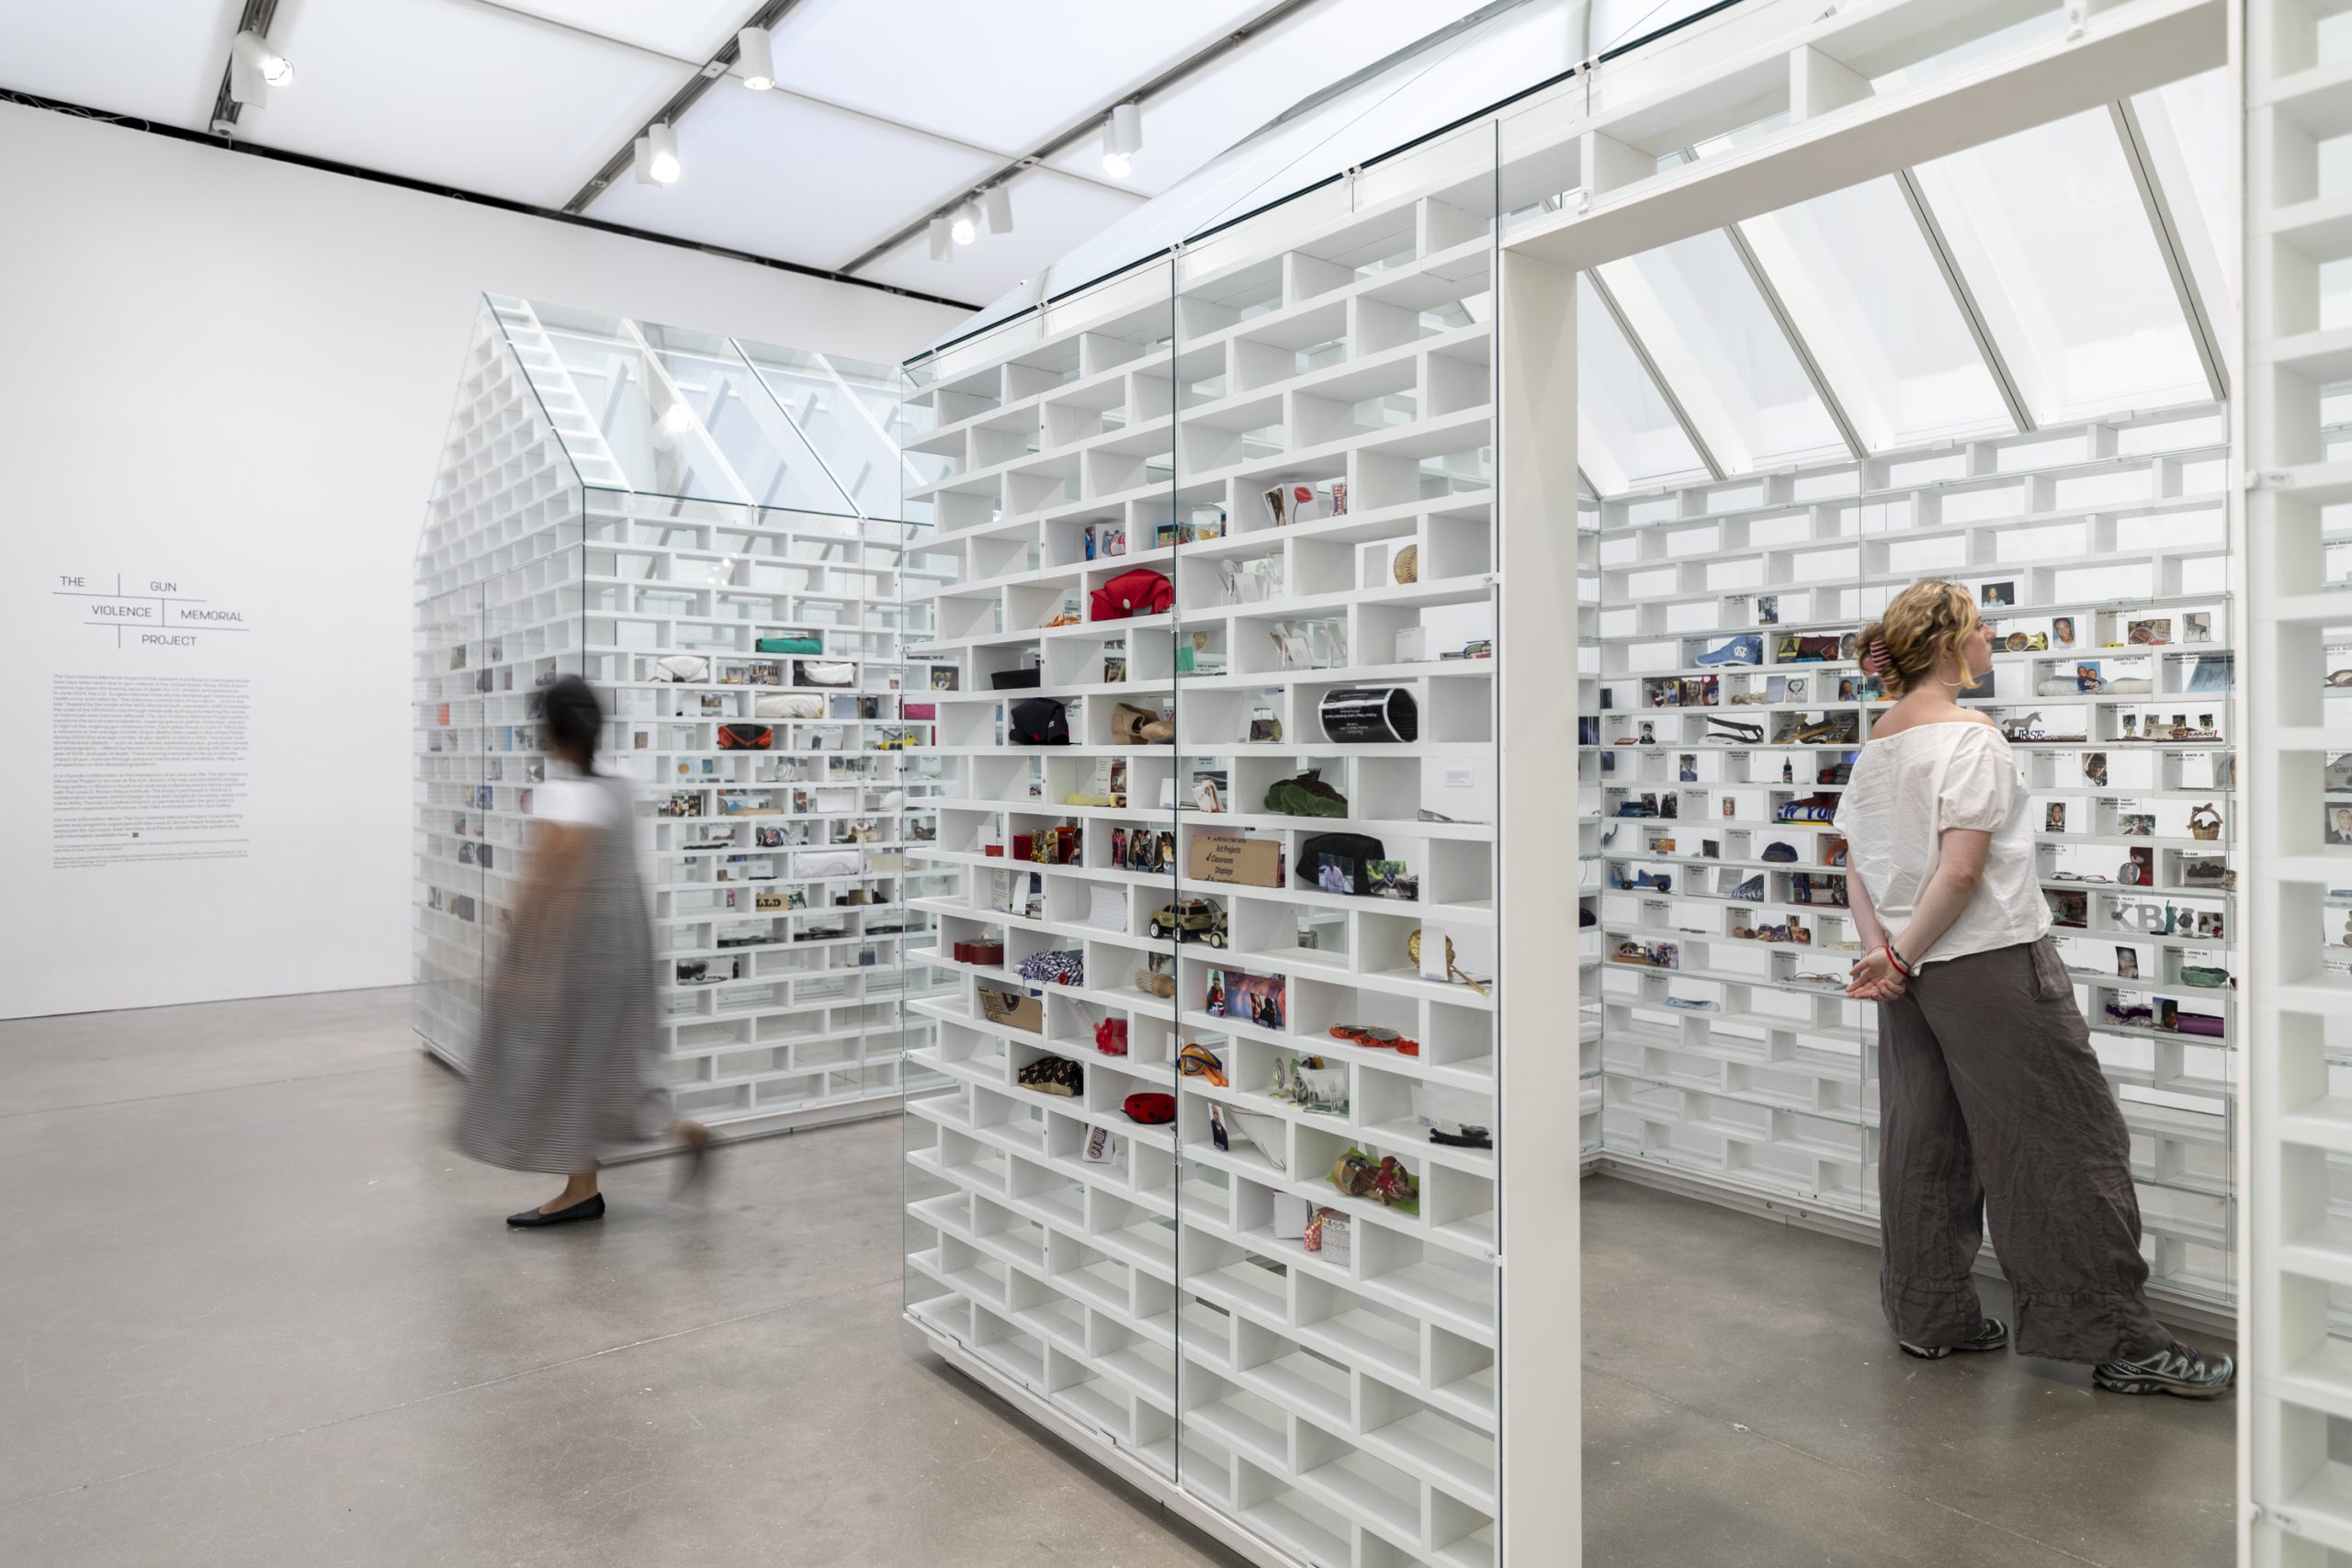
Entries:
{"x":1991,"y":1098}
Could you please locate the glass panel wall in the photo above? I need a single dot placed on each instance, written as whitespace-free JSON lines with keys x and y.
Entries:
{"x":1041,"y":1190}
{"x":1337,"y":942}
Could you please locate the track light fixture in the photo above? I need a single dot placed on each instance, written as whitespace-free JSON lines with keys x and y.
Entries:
{"x":662,"y":153}
{"x":967,"y":226}
{"x":998,"y":200}
{"x":255,"y":68}
{"x":1122,"y":139}
{"x":943,"y":245}
{"x":756,"y":52}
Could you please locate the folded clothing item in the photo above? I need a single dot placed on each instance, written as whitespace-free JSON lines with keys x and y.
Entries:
{"x":1305,"y":796}
{"x":1054,"y":1075}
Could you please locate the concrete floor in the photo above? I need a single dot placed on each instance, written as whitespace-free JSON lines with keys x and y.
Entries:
{"x":254,"y":1313}
{"x":1744,"y":1406}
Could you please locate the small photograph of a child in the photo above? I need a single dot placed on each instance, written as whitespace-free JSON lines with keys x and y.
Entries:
{"x":2127,"y":964}
{"x":2062,"y":631}
{"x":2054,"y":817}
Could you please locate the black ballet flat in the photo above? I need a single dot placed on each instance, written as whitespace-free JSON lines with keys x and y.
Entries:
{"x":589,"y":1207}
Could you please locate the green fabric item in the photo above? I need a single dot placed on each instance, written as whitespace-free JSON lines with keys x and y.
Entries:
{"x":792,"y":644}
{"x":1305,"y":796}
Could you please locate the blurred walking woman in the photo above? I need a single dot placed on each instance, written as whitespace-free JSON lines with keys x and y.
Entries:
{"x":565,"y":1067}
{"x":1992,"y":1099}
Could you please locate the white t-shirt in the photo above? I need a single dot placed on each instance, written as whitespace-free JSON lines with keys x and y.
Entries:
{"x":1905,"y":789}
{"x":576,"y":803}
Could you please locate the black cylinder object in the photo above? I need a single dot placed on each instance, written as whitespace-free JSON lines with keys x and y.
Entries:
{"x":1370,"y":715}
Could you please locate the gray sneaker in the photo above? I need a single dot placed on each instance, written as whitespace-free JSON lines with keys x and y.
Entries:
{"x":2174,"y":1370}
{"x":1992,"y":1336}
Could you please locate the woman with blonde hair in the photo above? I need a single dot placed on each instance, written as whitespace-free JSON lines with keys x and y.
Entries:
{"x":1991,"y":1098}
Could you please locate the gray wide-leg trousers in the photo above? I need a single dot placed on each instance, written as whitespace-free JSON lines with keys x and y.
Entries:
{"x":1991,"y":1100}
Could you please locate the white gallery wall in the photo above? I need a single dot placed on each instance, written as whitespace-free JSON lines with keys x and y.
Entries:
{"x":223,"y":382}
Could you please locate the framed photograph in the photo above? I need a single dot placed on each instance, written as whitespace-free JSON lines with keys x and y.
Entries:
{"x":2131,"y":727}
{"x":2137,"y":824}
{"x":1998,"y":595}
{"x":2071,"y":909}
{"x":2339,"y":824}
{"x":2127,"y":964}
{"x":1689,"y":767}
{"x":2087,"y":676}
{"x":943,"y":677}
{"x":2149,"y":633}
{"x":2197,"y":626}
{"x":2062,"y":631}
{"x":1391,"y":880}
{"x":1767,"y":609}
{"x":1259,"y":999}
{"x":2054,"y":817}
{"x":2094,"y":768}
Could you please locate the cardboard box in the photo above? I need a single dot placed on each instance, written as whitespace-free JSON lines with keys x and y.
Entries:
{"x":1248,"y":862}
{"x":1012,"y":1009}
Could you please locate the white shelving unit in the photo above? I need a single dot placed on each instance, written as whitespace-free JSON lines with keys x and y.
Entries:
{"x":1744,"y":1064}
{"x":2295,"y":97}
{"x":567,"y":537}
{"x":1341,"y":1404}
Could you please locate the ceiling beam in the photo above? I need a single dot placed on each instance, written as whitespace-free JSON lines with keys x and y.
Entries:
{"x":595,"y":185}
{"x":1779,"y":308}
{"x":2005,"y":380}
{"x":2167,"y":224}
{"x":769,"y":12}
{"x":1085,"y":124}
{"x":1608,"y":298}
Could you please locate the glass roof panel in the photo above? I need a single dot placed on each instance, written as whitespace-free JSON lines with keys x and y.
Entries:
{"x":1716,"y":344}
{"x":2197,"y":108}
{"x":848,"y":411}
{"x":1865,"y":293}
{"x":1627,"y":436}
{"x":2048,"y":228}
